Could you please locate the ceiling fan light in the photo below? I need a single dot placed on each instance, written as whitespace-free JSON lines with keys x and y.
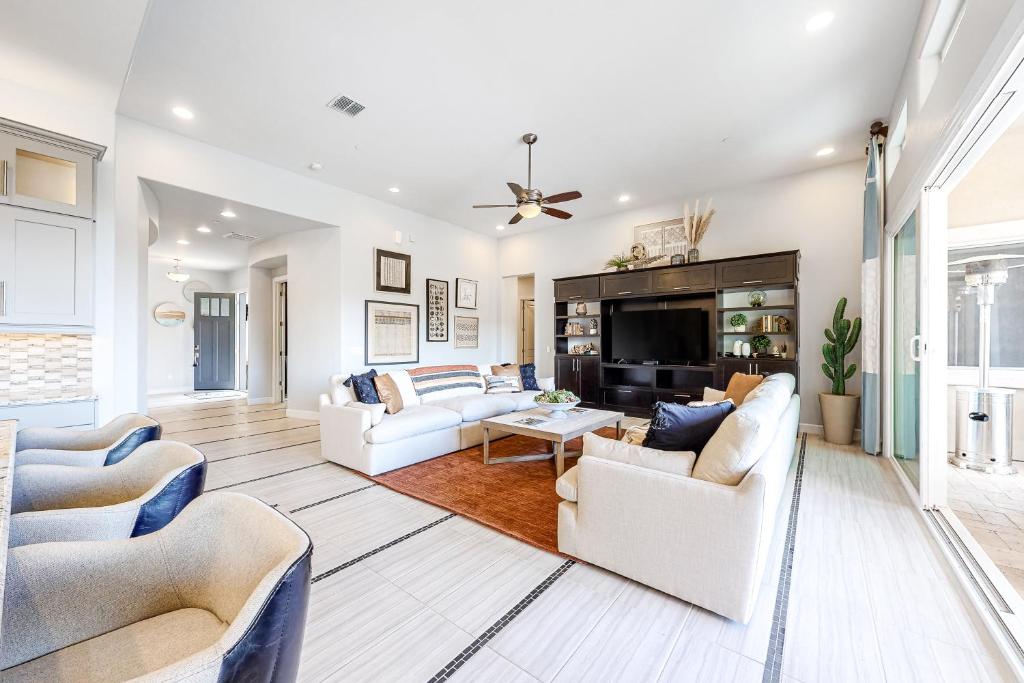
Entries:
{"x":529,"y":210}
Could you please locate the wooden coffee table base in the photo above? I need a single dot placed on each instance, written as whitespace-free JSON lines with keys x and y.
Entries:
{"x":555,"y":431}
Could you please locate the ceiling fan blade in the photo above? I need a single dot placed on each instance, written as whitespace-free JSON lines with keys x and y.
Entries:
{"x":557,"y":213}
{"x":517,"y":190}
{"x":494,"y":206}
{"x":563,"y":197}
{"x":516,"y":218}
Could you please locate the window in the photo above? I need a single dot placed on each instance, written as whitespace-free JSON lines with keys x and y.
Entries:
{"x":1007,"y":312}
{"x":945,"y":23}
{"x":896,"y":142}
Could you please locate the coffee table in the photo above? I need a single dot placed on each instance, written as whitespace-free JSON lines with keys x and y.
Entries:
{"x":554,"y":430}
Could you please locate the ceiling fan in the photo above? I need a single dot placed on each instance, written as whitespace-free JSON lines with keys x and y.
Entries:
{"x":531,"y":202}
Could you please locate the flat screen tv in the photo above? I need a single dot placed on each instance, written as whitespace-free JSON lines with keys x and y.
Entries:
{"x":673,"y":336}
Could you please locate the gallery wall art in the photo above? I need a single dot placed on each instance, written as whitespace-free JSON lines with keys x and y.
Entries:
{"x":465,"y":293}
{"x":467,"y":332}
{"x":392,"y":272}
{"x":437,"y":310}
{"x":392,"y":333}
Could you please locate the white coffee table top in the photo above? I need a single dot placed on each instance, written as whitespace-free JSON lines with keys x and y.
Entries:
{"x":557,"y":430}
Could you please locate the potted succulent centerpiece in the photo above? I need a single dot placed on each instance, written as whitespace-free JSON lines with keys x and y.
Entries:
{"x":760,"y":343}
{"x":619,"y":262}
{"x":738,"y":322}
{"x":839,"y":409}
{"x":557,"y":402}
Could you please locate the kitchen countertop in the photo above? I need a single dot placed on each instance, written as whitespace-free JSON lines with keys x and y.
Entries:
{"x":42,"y":400}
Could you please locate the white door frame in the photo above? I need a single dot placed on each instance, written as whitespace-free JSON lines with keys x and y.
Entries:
{"x":276,"y":387}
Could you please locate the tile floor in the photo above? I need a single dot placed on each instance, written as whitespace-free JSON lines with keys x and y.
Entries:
{"x":405,"y":591}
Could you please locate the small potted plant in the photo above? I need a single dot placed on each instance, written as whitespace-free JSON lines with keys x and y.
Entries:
{"x":760,"y":343}
{"x":738,"y":322}
{"x":619,"y":262}
{"x":838,"y":409}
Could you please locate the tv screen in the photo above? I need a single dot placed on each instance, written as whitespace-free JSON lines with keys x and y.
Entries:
{"x":667,"y":336}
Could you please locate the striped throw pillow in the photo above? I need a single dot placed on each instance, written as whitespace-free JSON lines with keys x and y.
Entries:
{"x":438,"y":382}
{"x":502,"y":384}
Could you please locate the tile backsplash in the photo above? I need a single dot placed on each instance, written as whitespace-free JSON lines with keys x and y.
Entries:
{"x":45,"y":366}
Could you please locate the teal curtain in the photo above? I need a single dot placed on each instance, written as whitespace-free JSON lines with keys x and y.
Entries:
{"x":871,"y":299}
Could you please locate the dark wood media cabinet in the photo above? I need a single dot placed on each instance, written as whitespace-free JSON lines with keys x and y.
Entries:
{"x":721,"y":287}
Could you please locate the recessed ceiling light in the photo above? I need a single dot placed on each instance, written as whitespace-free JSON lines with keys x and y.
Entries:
{"x":183,"y":113}
{"x":820,"y":21}
{"x":623,"y":197}
{"x":499,"y":227}
{"x":183,"y":242}
{"x":202,"y":229}
{"x":825,"y":151}
{"x":316,"y":166}
{"x":227,"y":213}
{"x":393,"y":189}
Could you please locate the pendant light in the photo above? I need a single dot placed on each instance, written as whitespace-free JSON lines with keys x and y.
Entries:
{"x":176,"y":275}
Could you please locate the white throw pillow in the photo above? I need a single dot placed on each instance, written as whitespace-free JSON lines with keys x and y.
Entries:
{"x":503,"y":384}
{"x":376,"y":411}
{"x":672,"y":462}
{"x":405,"y":388}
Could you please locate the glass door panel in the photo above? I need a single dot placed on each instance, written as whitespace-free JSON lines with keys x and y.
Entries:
{"x":906,"y":366}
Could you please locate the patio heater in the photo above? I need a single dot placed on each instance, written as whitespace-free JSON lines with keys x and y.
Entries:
{"x":984,"y":414}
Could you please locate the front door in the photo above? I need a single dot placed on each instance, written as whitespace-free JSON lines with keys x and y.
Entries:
{"x":213,"y":364}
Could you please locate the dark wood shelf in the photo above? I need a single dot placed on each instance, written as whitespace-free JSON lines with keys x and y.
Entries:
{"x":754,"y":334}
{"x":699,"y":368}
{"x":733,"y":309}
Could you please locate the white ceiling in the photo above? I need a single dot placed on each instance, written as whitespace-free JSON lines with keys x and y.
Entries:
{"x":991,"y":192}
{"x":182,"y":211}
{"x":80,"y":50}
{"x":660,"y":100}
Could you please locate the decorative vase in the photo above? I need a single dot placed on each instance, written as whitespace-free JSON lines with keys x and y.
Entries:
{"x":838,"y":416}
{"x":581,"y":308}
{"x":677,"y":259}
{"x":693,"y":255}
{"x":739,"y":328}
{"x":746,"y":349}
{"x":737,"y":348}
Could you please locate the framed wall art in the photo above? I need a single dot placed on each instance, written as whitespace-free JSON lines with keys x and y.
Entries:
{"x":465,"y":293}
{"x":664,"y":238}
{"x":392,"y":333}
{"x":467,"y":332}
{"x":437,"y":310}
{"x":392,"y":272}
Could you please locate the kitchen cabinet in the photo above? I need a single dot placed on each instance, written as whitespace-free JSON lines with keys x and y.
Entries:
{"x":46,"y":269}
{"x":580,"y":375}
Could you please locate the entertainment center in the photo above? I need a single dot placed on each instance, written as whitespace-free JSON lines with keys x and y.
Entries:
{"x":626,"y":340}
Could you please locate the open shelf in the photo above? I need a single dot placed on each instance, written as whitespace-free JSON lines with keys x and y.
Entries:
{"x":766,"y":307}
{"x":752,"y":334}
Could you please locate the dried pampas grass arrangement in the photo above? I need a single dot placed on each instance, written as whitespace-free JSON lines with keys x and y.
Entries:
{"x":696,"y":224}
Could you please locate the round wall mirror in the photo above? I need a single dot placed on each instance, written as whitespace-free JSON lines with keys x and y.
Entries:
{"x":169,"y":314}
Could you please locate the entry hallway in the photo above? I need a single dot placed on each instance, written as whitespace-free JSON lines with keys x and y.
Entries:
{"x":405,"y":591}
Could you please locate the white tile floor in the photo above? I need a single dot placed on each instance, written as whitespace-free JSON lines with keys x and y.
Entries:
{"x":871,"y":598}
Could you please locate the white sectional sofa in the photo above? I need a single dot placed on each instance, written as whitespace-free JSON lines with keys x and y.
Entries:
{"x":660,"y":517}
{"x":367,"y":439}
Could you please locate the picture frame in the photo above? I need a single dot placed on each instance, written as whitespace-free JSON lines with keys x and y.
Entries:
{"x":466,"y":293}
{"x":467,"y":332}
{"x":662,"y":239}
{"x":392,"y":272}
{"x":437,"y":310}
{"x":392,"y":333}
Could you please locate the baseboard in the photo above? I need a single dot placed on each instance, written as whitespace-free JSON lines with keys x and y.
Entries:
{"x":169,"y":390}
{"x":260,"y":401}
{"x":302,"y":414}
{"x":819,"y":430}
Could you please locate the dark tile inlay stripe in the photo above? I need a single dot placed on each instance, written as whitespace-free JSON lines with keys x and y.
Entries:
{"x":389,"y":544}
{"x":240,"y":436}
{"x":773,"y":660}
{"x":249,"y":481}
{"x":265,"y":450}
{"x":327,"y":500}
{"x":455,"y":664}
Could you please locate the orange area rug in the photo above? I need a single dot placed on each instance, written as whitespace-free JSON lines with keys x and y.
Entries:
{"x":515,"y":498}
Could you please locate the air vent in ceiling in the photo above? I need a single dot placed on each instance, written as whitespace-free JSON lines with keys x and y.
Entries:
{"x":346,"y":105}
{"x":239,"y":236}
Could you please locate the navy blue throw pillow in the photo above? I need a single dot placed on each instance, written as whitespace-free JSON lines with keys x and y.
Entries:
{"x":363,"y":387}
{"x":676,"y":427}
{"x":528,"y":372}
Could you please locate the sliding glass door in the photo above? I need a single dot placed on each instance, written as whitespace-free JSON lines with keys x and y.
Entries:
{"x":906,"y":350}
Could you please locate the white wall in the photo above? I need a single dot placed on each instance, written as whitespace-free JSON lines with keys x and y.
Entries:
{"x":329,"y":278}
{"x":169,"y":349}
{"x":820,"y":213}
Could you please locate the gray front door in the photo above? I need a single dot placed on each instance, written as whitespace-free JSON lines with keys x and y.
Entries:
{"x":213,"y":365}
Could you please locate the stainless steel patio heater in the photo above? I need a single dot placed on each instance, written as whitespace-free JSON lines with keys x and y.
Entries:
{"x":984,"y":414}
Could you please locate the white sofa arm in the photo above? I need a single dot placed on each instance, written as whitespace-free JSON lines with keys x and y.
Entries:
{"x":341,"y":433}
{"x":546,"y":383}
{"x":651,"y":525}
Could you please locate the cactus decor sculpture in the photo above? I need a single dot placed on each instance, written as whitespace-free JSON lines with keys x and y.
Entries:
{"x":841,"y":339}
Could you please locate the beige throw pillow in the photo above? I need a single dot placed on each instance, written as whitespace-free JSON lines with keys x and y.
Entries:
{"x":506,"y":370}
{"x":740,"y":385}
{"x":389,"y":394}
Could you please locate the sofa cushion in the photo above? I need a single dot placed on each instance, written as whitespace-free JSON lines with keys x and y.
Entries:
{"x":479,"y":407}
{"x":672,"y":462}
{"x":746,"y":433}
{"x":387,"y":390}
{"x":127,"y":653}
{"x":376,"y":411}
{"x":363,"y":387}
{"x":740,"y":385}
{"x":524,"y":399}
{"x":438,"y":382}
{"x":528,"y":371}
{"x":412,"y":421}
{"x":503,"y":384}
{"x":567,"y":484}
{"x":677,"y":427}
{"x":506,"y":369}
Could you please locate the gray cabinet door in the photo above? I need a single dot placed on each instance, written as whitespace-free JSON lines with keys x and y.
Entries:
{"x":213,"y":363}
{"x":754,"y":272}
{"x":685,"y":279}
{"x":577,"y":289}
{"x":46,"y":265}
{"x":625,"y":284}
{"x":37,"y":175}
